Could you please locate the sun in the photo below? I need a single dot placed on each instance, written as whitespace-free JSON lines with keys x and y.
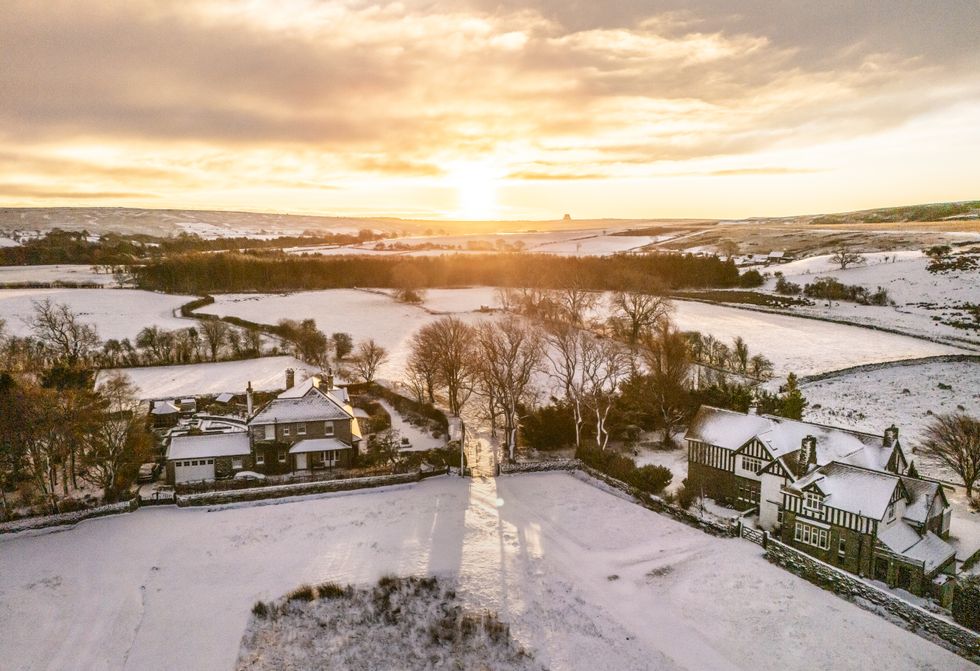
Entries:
{"x":476,"y":185}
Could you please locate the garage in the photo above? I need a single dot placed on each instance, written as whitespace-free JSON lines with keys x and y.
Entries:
{"x":208,"y":456}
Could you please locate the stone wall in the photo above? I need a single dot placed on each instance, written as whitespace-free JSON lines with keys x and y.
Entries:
{"x":68,"y":518}
{"x":960,"y":640}
{"x":540,"y":466}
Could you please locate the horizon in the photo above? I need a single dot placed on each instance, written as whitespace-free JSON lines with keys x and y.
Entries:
{"x":482,"y":112}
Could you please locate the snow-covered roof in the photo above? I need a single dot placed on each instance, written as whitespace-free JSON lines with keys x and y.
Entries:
{"x":307,"y":408}
{"x":922,"y":493}
{"x":852,"y":489}
{"x":781,"y":436}
{"x":209,"y":445}
{"x":225,"y":397}
{"x":929,"y":548}
{"x":164,"y":408}
{"x":318,"y":445}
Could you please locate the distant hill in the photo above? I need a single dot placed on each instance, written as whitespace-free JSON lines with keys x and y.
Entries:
{"x":967,"y":209}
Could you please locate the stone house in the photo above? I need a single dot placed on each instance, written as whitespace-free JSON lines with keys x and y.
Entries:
{"x":842,"y":496}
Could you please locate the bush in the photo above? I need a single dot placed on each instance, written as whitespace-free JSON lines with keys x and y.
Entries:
{"x":649,"y":479}
{"x":331,"y":590}
{"x":550,"y":427}
{"x":686,"y":496}
{"x":751,"y":278}
{"x":787,"y":288}
{"x":966,"y":603}
{"x":303,"y":593}
{"x":260,"y":609}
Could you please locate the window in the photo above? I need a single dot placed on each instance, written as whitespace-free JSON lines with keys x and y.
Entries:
{"x":260,"y":458}
{"x":328,"y":428}
{"x":813,"y":501}
{"x":779,"y":516}
{"x":301,"y":429}
{"x":811,"y":535}
{"x":890,"y":513}
{"x":749,"y":491}
{"x":210,"y":461}
{"x":752,"y":464}
{"x":282,"y":456}
{"x":270,"y":431}
{"x":285,"y":430}
{"x":237,"y":463}
{"x":842,"y":546}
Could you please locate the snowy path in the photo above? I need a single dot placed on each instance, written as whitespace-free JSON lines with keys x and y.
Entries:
{"x":171,"y":589}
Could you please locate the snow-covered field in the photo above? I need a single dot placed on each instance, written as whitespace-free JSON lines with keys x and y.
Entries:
{"x":116,"y":313}
{"x":586,"y":580}
{"x":906,"y":396}
{"x":363,"y":314}
{"x":54,"y":273}
{"x":804,"y":346}
{"x":265,"y":374}
{"x":918,"y":294}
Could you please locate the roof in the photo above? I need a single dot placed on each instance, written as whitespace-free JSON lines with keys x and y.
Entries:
{"x":164,"y":408}
{"x":318,"y":445}
{"x":304,"y":409}
{"x":922,"y":493}
{"x":731,"y":430}
{"x":225,"y":397}
{"x":209,"y":445}
{"x":852,"y":489}
{"x":929,"y":548}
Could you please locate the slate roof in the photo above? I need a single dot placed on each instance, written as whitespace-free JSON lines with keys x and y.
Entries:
{"x":304,"y":409}
{"x":852,"y":489}
{"x":929,"y":548}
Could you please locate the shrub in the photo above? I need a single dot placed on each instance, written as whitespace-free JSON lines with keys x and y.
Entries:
{"x":787,"y":288}
{"x":686,"y":496}
{"x":650,"y":479}
{"x":331,"y":590}
{"x":751,"y":278}
{"x":966,"y":603}
{"x":550,"y":427}
{"x":303,"y":593}
{"x":260,"y":609}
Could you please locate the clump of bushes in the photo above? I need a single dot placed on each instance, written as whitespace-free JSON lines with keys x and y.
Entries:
{"x":650,"y":479}
{"x":829,"y":288}
{"x":303,"y":593}
{"x":751,"y":278}
{"x":966,"y":603}
{"x":785,"y":287}
{"x":260,"y":609}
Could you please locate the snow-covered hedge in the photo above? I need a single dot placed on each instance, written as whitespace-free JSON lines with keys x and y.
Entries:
{"x":541,"y":466}
{"x":297,"y":489}
{"x":67,"y":518}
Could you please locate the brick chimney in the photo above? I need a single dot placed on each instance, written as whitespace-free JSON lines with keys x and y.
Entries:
{"x":290,"y":378}
{"x":329,"y":380}
{"x":249,"y":403}
{"x":891,"y":436}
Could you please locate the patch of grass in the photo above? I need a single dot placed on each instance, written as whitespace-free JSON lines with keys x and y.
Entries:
{"x":260,"y":610}
{"x":331,"y":590}
{"x":302,"y":593}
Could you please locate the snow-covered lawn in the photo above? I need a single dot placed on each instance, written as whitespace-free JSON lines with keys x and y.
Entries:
{"x":901,"y":395}
{"x":265,"y":374}
{"x":586,"y":580}
{"x":461,"y":300}
{"x":116,"y":313}
{"x":55,"y":273}
{"x":419,"y":440}
{"x":363,"y":314}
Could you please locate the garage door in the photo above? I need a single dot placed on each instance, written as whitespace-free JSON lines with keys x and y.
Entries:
{"x":190,"y":470}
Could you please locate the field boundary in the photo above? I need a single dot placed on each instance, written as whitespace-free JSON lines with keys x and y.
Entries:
{"x":868,"y":367}
{"x":67,"y":519}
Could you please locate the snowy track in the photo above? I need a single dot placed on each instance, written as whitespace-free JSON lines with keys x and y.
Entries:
{"x":172,"y":589}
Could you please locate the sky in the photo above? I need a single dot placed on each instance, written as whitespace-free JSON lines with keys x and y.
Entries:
{"x":490,"y":109}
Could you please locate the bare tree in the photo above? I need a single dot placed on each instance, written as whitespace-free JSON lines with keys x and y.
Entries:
{"x":954,"y":439}
{"x":563,"y":350}
{"x":637,"y":311}
{"x":667,"y":359}
{"x":68,"y":339}
{"x":728,"y":248}
{"x":574,"y":301}
{"x":453,"y":344}
{"x":844,"y":257}
{"x":215,"y":333}
{"x":368,"y":357}
{"x":605,"y":364}
{"x":119,"y":440}
{"x":740,"y":355}
{"x":510,"y":353}
{"x":760,"y":367}
{"x":422,"y":367}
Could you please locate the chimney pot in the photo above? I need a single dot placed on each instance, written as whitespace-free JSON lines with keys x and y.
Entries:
{"x":290,"y":378}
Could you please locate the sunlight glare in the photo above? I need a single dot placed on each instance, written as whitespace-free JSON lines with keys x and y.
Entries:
{"x":476,"y":189}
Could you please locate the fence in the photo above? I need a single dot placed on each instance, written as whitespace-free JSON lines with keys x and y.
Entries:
{"x":754,"y":535}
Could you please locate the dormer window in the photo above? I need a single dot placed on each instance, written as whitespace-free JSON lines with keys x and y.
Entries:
{"x":813,"y":501}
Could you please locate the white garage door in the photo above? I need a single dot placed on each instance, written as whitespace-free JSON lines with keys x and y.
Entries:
{"x":189,"y":470}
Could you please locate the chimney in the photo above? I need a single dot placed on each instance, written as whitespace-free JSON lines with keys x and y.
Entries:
{"x":753,"y":407}
{"x":329,"y":379}
{"x":290,"y":378}
{"x":248,"y":399}
{"x":808,"y":456}
{"x":891,"y":436}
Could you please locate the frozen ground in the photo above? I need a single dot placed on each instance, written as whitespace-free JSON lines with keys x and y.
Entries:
{"x":918,"y":294}
{"x":586,"y":580}
{"x":266,"y":374}
{"x":418,"y":439}
{"x":116,"y":313}
{"x":363,"y":314}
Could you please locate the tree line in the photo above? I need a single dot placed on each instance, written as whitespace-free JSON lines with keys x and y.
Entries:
{"x":270,"y":272}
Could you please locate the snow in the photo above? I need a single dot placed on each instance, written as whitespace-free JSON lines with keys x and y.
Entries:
{"x":265,"y":374}
{"x":213,"y":445}
{"x":419,"y":440}
{"x":586,"y":581}
{"x":461,"y":300}
{"x":803,"y":346}
{"x":116,"y":313}
{"x":675,"y":460}
{"x":54,"y":273}
{"x":364,"y":314}
{"x":919,"y":294}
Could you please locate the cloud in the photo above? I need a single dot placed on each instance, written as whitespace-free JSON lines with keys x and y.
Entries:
{"x":217,"y":93}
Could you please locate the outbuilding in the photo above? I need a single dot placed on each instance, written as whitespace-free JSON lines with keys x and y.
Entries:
{"x":206,"y":457}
